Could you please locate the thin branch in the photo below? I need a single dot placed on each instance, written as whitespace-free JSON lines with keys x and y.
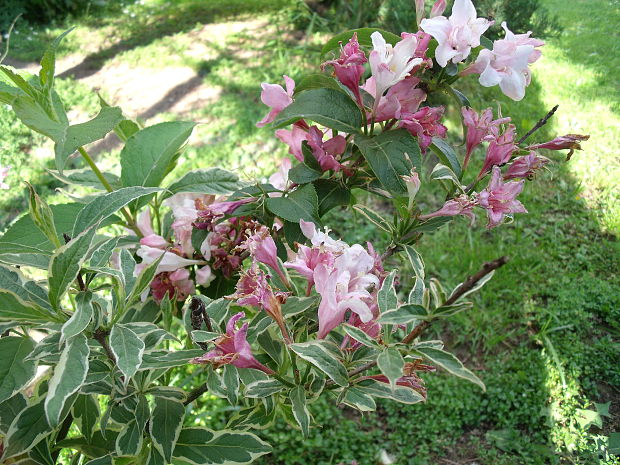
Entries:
{"x":538,"y":125}
{"x":8,"y":38}
{"x":100,"y":336}
{"x":195,"y":394}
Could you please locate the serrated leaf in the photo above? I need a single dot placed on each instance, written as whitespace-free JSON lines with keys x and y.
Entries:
{"x":12,"y":280}
{"x":106,"y":205}
{"x":331,"y":194}
{"x":128,"y":349}
{"x":65,"y":264}
{"x":302,"y":174}
{"x":166,"y":424}
{"x":75,"y":136}
{"x":147,"y":156}
{"x":403,"y":314}
{"x":301,"y":204}
{"x":15,"y":369}
{"x":318,"y":353}
{"x":200,"y":446}
{"x":391,"y":155}
{"x":263,"y":388}
{"x":68,"y":377}
{"x":205,"y":181}
{"x":450,"y":363}
{"x":85,"y":177}
{"x":13,"y":309}
{"x":391,"y":364}
{"x":86,"y":410}
{"x":386,"y":297}
{"x":329,"y":107}
{"x":300,"y":411}
{"x":80,"y":318}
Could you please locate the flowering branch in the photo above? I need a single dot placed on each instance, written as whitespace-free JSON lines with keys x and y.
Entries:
{"x":541,"y":122}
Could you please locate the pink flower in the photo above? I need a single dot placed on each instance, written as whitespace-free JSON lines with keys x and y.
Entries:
{"x":307,"y":259}
{"x":204,"y":275}
{"x":350,"y":66}
{"x":293,"y":138}
{"x":234,"y":348}
{"x":403,"y":97}
{"x":170,"y":261}
{"x":279,"y":179}
{"x":149,"y":237}
{"x":479,"y":127}
{"x":326,"y":152}
{"x":319,"y":238}
{"x":390,"y":65}
{"x":458,"y":34}
{"x":461,"y":205}
{"x":569,"y":141}
{"x":508,"y":63}
{"x":275,"y":97}
{"x":175,"y":283}
{"x":185,"y":210}
{"x":263,"y":248}
{"x":525,"y":166}
{"x":413,"y":186}
{"x":424,"y":124}
{"x":438,"y":8}
{"x":500,"y":150}
{"x":4,"y":172}
{"x":499,"y":198}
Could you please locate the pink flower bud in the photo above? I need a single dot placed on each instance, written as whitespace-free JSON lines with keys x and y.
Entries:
{"x":438,"y":8}
{"x":569,"y":141}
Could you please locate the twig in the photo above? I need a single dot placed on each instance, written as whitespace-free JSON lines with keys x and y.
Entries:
{"x":195,"y":394}
{"x":8,"y":38}
{"x":537,"y":126}
{"x":100,"y":336}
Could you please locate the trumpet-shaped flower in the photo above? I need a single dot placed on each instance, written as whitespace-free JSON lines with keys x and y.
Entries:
{"x":390,"y":65}
{"x":175,"y":283}
{"x":525,"y":166}
{"x":326,"y":152}
{"x":401,"y":98}
{"x":233,"y":348}
{"x":461,"y":205}
{"x":279,"y":179}
{"x":293,"y":138}
{"x":479,"y":127}
{"x":275,"y":97}
{"x":424,"y":124}
{"x":569,"y":141}
{"x":169,"y":262}
{"x":350,"y":66}
{"x":458,"y":34}
{"x":499,"y":199}
{"x":500,"y":150}
{"x":508,"y":63}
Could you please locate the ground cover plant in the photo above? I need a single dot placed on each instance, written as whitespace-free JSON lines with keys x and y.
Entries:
{"x":485,"y":329}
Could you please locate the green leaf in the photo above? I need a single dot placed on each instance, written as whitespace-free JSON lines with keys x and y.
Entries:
{"x":205,"y":181}
{"x":9,"y":409}
{"x":386,"y":297}
{"x":450,"y":363}
{"x":128,"y":349}
{"x":300,"y":411}
{"x":317,"y":81}
{"x":143,"y":281}
{"x":166,"y":424}
{"x":363,"y":37}
{"x":12,"y":280}
{"x":301,"y":204}
{"x":415,"y":259}
{"x":303,"y":174}
{"x":403,"y":315}
{"x":69,"y":375}
{"x":481,"y":282}
{"x":360,"y":336}
{"x":399,"y":393}
{"x":200,"y":446}
{"x":26,"y":430}
{"x":85,"y":177}
{"x":129,"y":440}
{"x":296,"y":305}
{"x":230,"y":379}
{"x":432,"y":225}
{"x":24,"y":237}
{"x":448,"y":310}
{"x":80,"y":318}
{"x":48,"y":62}
{"x":328,"y":107}
{"x":78,"y":135}
{"x":374,"y":218}
{"x":356,"y":397}
{"x":150,"y":153}
{"x":86,"y":410}
{"x":391,"y":155}
{"x":15,"y":369}
{"x":322,"y":356}
{"x":391,"y":364}
{"x":42,"y":216}
{"x":331,"y":194}
{"x":166,"y":359}
{"x":447,"y":155}
{"x":104,"y":206}
{"x":65,"y":264}
{"x":263,"y":388}
{"x":12,"y":308}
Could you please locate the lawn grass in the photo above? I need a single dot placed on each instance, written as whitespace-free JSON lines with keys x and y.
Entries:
{"x":544,"y":332}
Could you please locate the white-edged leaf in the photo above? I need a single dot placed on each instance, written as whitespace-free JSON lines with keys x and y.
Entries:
{"x":374,"y":218}
{"x":400,"y":394}
{"x":263,"y":388}
{"x":129,"y":440}
{"x":166,"y":424}
{"x":201,"y":446}
{"x":128,"y":349}
{"x":391,"y":364}
{"x":386,"y":297}
{"x":403,"y":314}
{"x":68,"y":377}
{"x":485,"y":279}
{"x":356,"y":397}
{"x":14,"y":309}
{"x":323,"y":357}
{"x":11,"y":279}
{"x":416,"y":261}
{"x":450,"y":363}
{"x":360,"y":336}
{"x":416,"y":295}
{"x":15,"y":369}
{"x":300,"y":411}
{"x":86,"y":411}
{"x":80,"y":318}
{"x":26,"y":430}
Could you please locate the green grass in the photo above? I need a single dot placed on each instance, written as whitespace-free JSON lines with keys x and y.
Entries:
{"x":543,"y":334}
